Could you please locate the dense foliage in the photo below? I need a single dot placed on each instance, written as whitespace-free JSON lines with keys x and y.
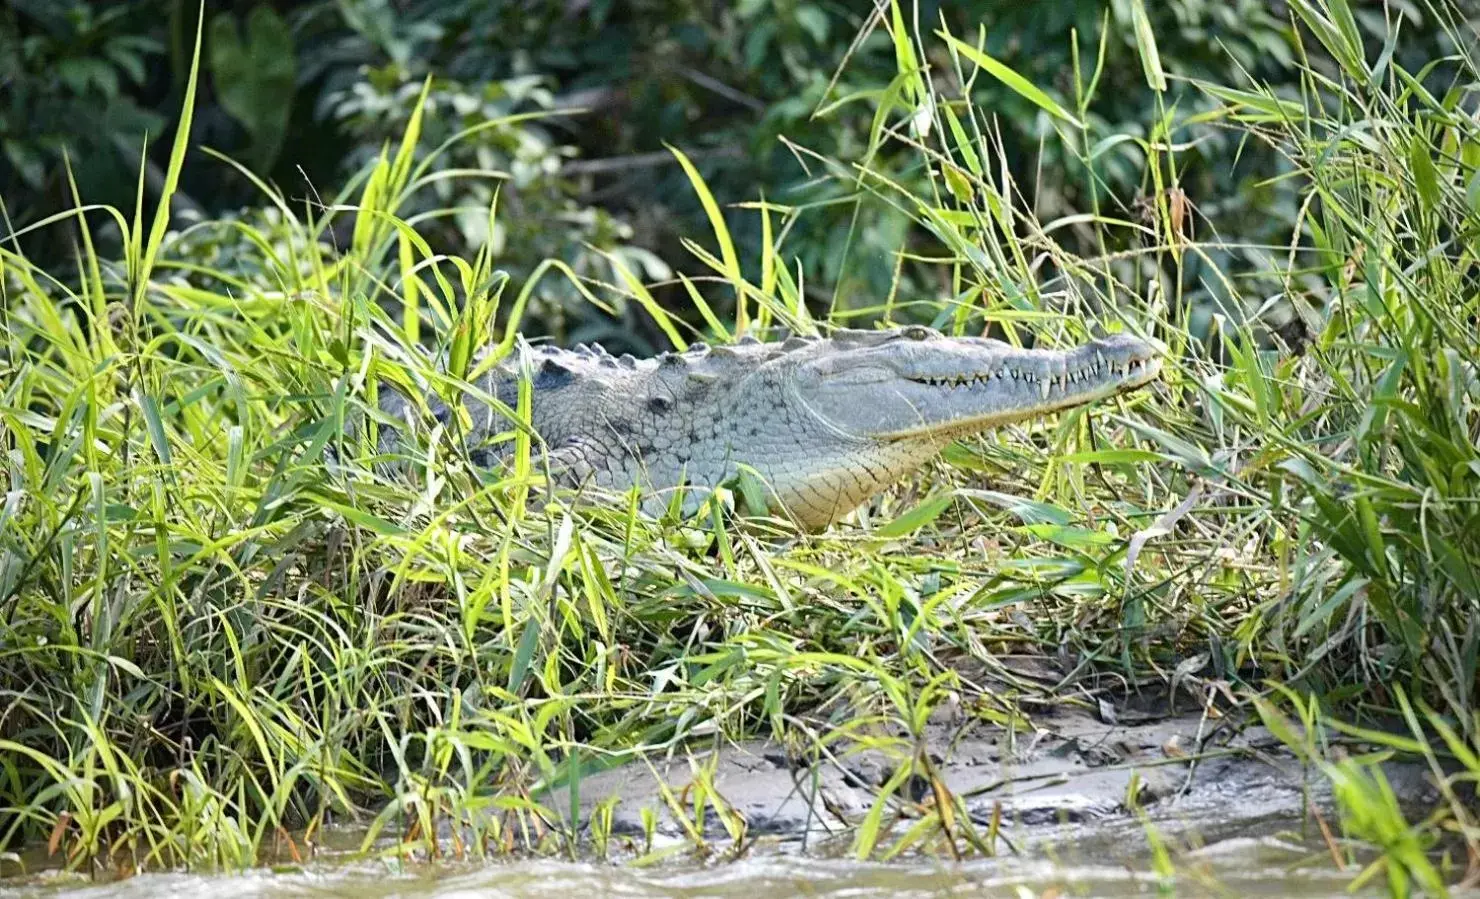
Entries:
{"x":209,"y":634}
{"x":759,"y":94}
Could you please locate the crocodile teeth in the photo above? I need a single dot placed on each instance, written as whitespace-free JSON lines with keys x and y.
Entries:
{"x":1043,"y":389}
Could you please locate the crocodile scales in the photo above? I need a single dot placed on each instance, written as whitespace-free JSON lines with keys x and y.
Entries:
{"x":826,"y":422}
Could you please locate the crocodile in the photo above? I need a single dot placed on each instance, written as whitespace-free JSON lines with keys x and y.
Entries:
{"x":824,"y":422}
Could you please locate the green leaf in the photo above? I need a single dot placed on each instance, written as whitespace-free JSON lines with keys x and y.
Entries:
{"x":1340,"y":38}
{"x":1424,"y":173}
{"x":1068,"y":536}
{"x":255,"y":79}
{"x":1027,"y":510}
{"x":155,"y":426}
{"x":710,"y":319}
{"x":128,"y":667}
{"x":963,"y":141}
{"x":721,"y":235}
{"x":647,"y":301}
{"x":372,"y":198}
{"x":1146,"y":45}
{"x":358,"y":516}
{"x":905,"y":63}
{"x":922,"y":514}
{"x":1346,"y":23}
{"x":528,"y":640}
{"x":172,"y":173}
{"x":1022,"y":86}
{"x":868,"y":832}
{"x":754,"y":491}
{"x":1110,"y":456}
{"x":253,"y":724}
{"x":1191,"y":455}
{"x":1371,"y":533}
{"x":1270,"y":107}
{"x":957,"y":183}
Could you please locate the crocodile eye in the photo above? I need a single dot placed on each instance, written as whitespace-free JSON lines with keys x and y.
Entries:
{"x":917,"y":332}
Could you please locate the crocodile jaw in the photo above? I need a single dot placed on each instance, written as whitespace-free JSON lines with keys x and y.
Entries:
{"x":889,"y":410}
{"x":938,"y":390}
{"x":979,"y":401}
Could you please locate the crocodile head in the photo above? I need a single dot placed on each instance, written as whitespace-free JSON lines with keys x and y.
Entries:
{"x":869,"y":407}
{"x":916,"y":384}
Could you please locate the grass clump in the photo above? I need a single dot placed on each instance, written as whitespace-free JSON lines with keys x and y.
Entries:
{"x":220,"y":622}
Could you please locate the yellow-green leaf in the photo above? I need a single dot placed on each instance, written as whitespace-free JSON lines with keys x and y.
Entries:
{"x":721,"y":234}
{"x":1146,"y":45}
{"x":1022,"y":86}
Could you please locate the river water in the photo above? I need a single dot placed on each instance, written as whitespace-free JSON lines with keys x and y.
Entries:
{"x":1241,"y":867}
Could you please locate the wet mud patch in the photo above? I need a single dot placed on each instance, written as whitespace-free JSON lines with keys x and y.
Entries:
{"x":1090,"y":780}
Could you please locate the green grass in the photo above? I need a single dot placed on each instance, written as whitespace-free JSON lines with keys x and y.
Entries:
{"x":210,"y":637}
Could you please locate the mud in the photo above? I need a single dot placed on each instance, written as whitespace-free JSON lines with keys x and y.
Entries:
{"x":1093,"y":778}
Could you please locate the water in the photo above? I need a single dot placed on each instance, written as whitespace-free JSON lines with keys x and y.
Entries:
{"x":746,"y":879}
{"x":1238,"y":866}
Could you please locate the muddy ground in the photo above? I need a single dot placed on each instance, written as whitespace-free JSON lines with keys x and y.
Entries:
{"x":1200,"y":780}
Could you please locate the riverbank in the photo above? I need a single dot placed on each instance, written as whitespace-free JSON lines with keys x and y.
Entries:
{"x":1132,"y":796}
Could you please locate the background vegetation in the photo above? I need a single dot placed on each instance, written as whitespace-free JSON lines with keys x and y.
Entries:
{"x":756,"y":93}
{"x":209,"y":635}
